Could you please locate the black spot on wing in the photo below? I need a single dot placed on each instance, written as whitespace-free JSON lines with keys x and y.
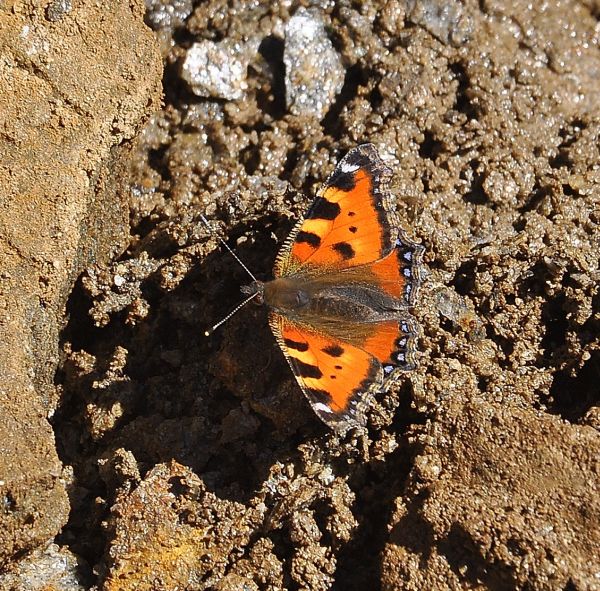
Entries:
{"x":306,"y":370}
{"x":334,"y":351}
{"x":308,"y":237}
{"x":296,"y":345}
{"x":344,"y":181}
{"x":353,"y":229}
{"x":344,"y":249}
{"x":323,"y":210}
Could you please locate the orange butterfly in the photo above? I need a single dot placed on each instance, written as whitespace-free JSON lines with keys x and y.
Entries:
{"x":344,"y":281}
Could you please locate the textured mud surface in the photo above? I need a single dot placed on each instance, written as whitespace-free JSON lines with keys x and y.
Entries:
{"x":197,"y":464}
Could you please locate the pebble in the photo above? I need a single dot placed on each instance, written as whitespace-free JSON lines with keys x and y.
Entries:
{"x":445,"y":19}
{"x":216,"y":70}
{"x":314,"y":73}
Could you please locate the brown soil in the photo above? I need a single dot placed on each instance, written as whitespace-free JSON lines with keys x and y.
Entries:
{"x":197,"y":463}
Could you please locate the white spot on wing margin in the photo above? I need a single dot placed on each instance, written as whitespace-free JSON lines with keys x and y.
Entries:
{"x":346,"y":167}
{"x":322,"y":407}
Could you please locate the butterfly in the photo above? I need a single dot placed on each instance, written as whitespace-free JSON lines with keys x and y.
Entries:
{"x":344,"y":282}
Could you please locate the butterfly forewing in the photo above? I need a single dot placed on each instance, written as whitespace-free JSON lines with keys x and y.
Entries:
{"x":348,"y":223}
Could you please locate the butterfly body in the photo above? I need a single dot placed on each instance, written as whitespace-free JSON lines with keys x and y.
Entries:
{"x":344,"y":283}
{"x":330,"y":298}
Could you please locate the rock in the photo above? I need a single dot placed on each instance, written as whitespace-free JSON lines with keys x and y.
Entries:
{"x":488,"y":503}
{"x":217,"y":70}
{"x":57,"y":9}
{"x":163,"y":533}
{"x":445,"y":20}
{"x":314,"y":73}
{"x":167,"y":14}
{"x":45,"y":569}
{"x":71,"y":92}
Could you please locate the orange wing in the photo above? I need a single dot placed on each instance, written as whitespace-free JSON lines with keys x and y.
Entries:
{"x":339,"y":378}
{"x":393,"y":344}
{"x":399,"y":273}
{"x":349,"y":222}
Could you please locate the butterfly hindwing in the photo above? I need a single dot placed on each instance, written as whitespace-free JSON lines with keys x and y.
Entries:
{"x":349,"y":223}
{"x":339,"y":378}
{"x":393,"y":344}
{"x":398,"y":274}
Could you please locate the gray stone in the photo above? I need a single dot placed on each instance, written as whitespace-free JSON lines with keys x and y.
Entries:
{"x":49,"y":568}
{"x":217,"y":70}
{"x":445,"y":19}
{"x":57,"y":9}
{"x":167,"y":14}
{"x":314,"y":73}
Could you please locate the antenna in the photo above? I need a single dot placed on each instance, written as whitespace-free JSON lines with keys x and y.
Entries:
{"x":207,"y":333}
{"x":235,"y":256}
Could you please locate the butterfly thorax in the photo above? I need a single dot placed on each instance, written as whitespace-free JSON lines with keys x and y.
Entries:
{"x":282,"y":294}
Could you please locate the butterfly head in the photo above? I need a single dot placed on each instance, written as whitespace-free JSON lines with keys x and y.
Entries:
{"x":256,"y":291}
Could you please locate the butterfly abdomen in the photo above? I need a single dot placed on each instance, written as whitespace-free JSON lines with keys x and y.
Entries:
{"x":318,"y":298}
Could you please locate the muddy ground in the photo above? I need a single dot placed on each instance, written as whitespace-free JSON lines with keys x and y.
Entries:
{"x":195,"y":462}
